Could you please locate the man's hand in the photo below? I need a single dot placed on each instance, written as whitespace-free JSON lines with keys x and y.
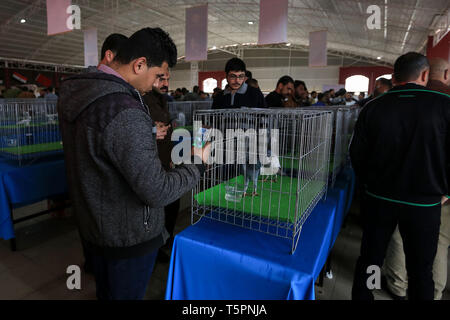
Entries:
{"x":202,"y":153}
{"x":161,"y":130}
{"x":443,"y":200}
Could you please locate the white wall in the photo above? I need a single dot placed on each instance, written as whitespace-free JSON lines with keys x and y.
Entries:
{"x":180,"y":79}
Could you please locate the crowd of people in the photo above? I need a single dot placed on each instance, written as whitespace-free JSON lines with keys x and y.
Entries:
{"x":183,"y":94}
{"x":28,"y":92}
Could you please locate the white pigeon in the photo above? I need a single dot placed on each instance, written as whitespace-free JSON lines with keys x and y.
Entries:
{"x":271,"y":169}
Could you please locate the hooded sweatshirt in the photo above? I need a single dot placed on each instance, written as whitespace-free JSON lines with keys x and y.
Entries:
{"x":117,"y":184}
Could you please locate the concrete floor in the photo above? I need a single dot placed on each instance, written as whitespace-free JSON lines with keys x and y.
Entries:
{"x":48,"y":245}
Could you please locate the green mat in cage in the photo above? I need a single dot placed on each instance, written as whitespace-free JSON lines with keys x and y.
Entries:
{"x":287,"y":162}
{"x":33,"y":148}
{"x":278,"y":204}
{"x":189,"y":128}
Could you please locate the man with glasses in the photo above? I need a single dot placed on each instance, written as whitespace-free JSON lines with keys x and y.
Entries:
{"x":238,"y":94}
{"x":156,"y":100}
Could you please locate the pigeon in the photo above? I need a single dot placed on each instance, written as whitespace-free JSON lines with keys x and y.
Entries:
{"x":251,"y":172}
{"x":272,"y":169}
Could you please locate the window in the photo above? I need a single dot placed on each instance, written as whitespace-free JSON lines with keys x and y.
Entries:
{"x":357,"y":83}
{"x":387,"y":76}
{"x":224,"y":83}
{"x":209,"y":85}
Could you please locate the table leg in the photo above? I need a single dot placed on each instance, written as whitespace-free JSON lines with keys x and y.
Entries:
{"x":12,"y":242}
{"x":328,"y":271}
{"x":321,"y":275}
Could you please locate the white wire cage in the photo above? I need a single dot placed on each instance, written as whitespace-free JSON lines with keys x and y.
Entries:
{"x":183,"y":111}
{"x":29,"y":129}
{"x":344,"y":119}
{"x":270,"y":168}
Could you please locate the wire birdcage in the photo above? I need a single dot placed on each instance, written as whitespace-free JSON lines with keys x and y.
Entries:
{"x":344,"y":119}
{"x":183,"y":111}
{"x":269,"y":170}
{"x":29,"y":129}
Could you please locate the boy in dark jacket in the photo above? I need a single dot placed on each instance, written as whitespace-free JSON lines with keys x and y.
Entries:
{"x":238,"y":93}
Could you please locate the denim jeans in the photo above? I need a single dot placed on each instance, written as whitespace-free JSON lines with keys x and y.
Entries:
{"x":122,"y":279}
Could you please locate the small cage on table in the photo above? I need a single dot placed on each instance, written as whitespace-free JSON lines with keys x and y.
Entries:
{"x":269,"y":170}
{"x":29,"y":129}
{"x":344,"y":119}
{"x":349,"y":122}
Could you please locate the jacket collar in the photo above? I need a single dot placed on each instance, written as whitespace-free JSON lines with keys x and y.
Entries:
{"x":241,"y":90}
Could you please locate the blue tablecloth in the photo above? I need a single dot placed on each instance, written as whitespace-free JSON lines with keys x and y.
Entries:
{"x":218,"y":261}
{"x":20,"y":186}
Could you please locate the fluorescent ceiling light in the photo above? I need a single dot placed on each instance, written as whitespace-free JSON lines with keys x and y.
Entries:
{"x":23,"y":20}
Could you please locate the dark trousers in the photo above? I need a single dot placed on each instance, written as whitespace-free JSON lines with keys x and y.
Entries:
{"x":122,"y":279}
{"x":171,"y":213}
{"x":419,"y":228}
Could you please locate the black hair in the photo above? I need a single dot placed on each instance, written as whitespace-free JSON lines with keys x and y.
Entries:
{"x":235,"y":64}
{"x":113,"y":42}
{"x":252,"y":81}
{"x":152,"y":43}
{"x":249,"y":75}
{"x":285,"y":80}
{"x":195,"y":89}
{"x":385,"y":82}
{"x":312,"y":92}
{"x":321,"y":95}
{"x":300,"y":82}
{"x":408,"y":67}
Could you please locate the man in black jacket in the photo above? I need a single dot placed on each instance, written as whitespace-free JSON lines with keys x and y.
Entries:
{"x":156,"y":101}
{"x":400,"y":153}
{"x":281,"y":94}
{"x":381,"y":86}
{"x":238,"y":94}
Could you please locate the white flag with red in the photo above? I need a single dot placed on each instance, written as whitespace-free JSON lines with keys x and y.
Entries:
{"x":19,"y":77}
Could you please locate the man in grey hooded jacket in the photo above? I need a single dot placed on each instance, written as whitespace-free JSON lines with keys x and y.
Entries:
{"x":117,"y":184}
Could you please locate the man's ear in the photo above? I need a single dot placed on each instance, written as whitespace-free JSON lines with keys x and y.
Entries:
{"x":140,"y":65}
{"x":446,"y":75}
{"x":424,"y":76}
{"x":109,"y":56}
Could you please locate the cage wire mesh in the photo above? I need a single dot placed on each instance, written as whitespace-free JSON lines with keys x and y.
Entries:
{"x":269,"y":170}
{"x":344,"y":119}
{"x":29,"y":129}
{"x":183,"y":111}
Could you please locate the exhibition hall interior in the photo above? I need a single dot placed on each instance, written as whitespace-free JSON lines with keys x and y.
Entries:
{"x":224,"y":150}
